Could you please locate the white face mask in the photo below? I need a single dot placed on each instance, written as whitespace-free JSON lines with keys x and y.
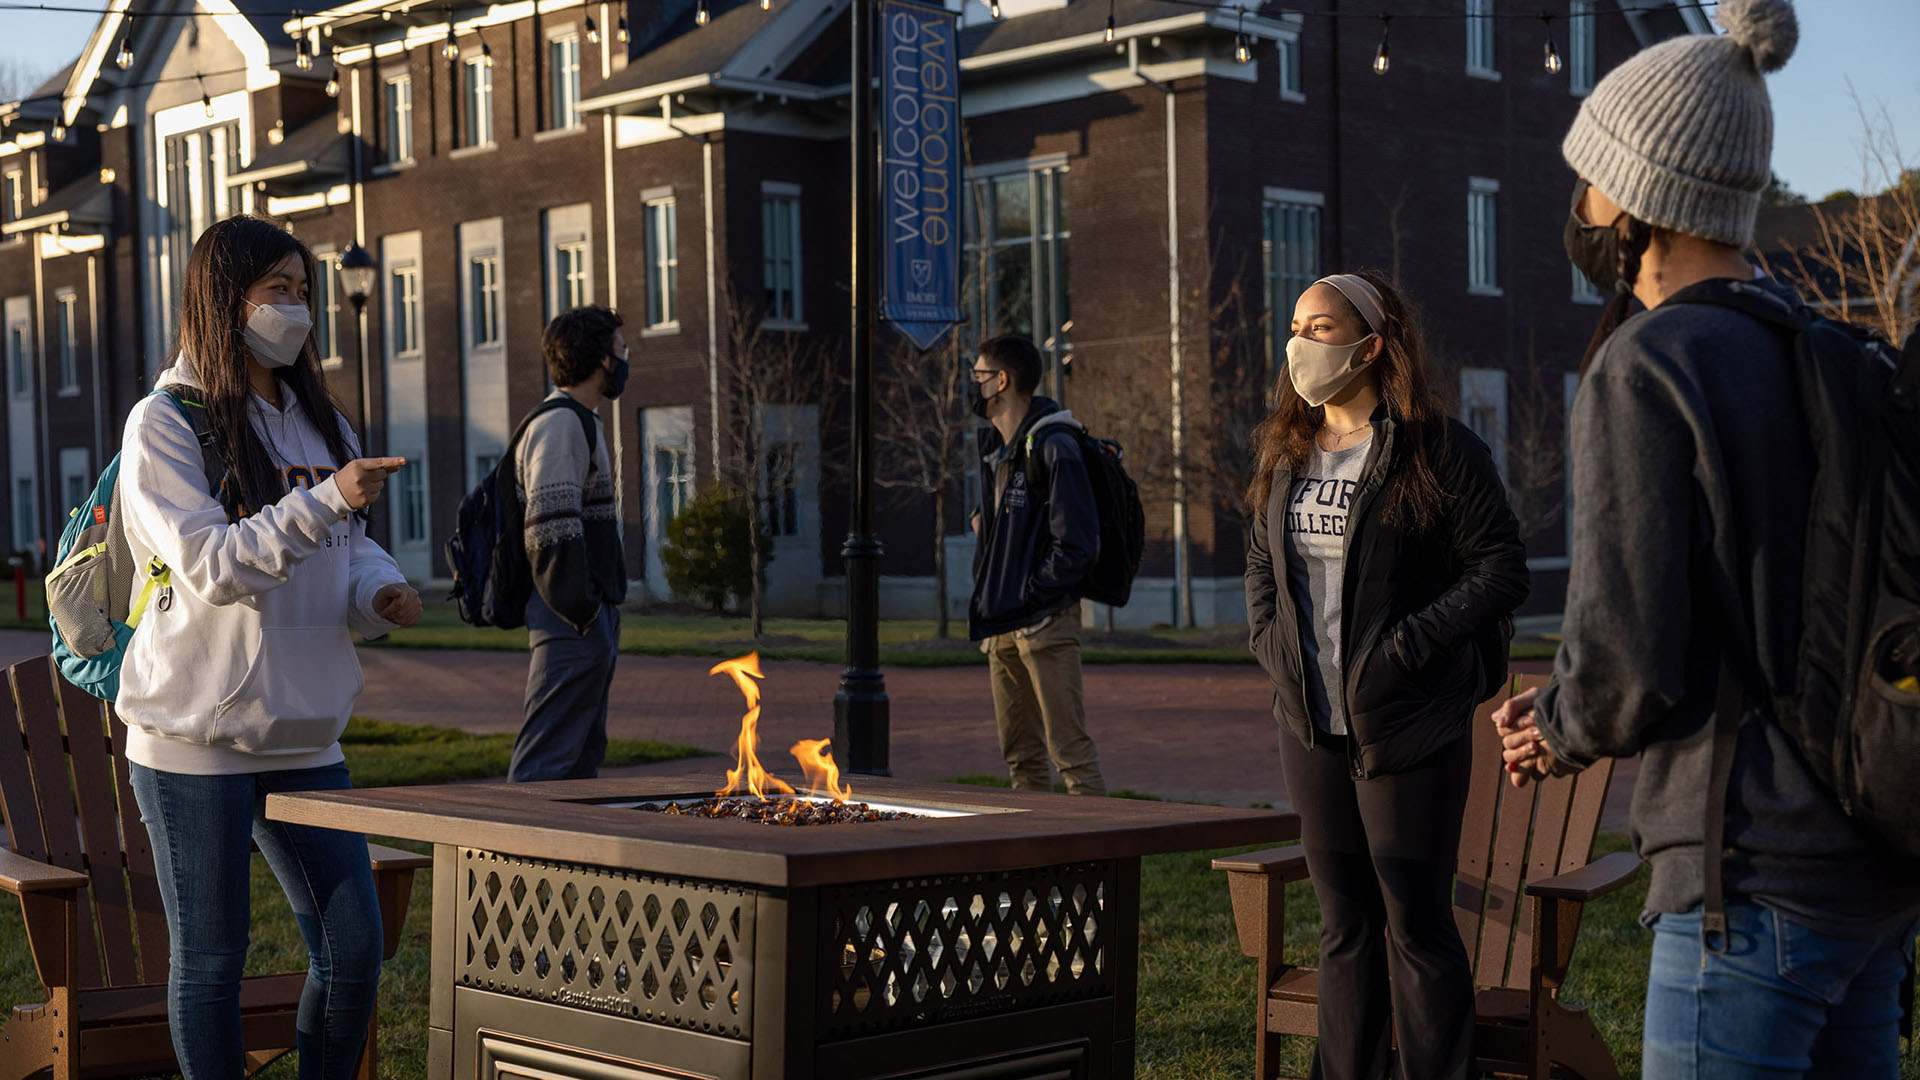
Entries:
{"x":276,"y":332}
{"x":1320,"y":371}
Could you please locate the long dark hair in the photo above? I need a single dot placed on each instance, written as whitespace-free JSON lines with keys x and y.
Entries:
{"x":227,"y":259}
{"x":1285,"y":437}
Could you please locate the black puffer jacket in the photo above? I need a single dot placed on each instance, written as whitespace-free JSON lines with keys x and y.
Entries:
{"x":1034,"y":552}
{"x":1412,"y":603}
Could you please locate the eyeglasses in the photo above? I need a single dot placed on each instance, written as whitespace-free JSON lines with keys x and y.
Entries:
{"x":979,"y":372}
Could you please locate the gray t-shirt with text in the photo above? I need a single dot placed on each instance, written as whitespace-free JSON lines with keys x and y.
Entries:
{"x":1316,"y":547}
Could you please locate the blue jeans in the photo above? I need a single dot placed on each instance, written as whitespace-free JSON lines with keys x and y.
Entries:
{"x":1784,"y":1000}
{"x":203,"y":829}
{"x":569,"y":679}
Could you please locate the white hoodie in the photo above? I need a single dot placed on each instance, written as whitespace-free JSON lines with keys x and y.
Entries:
{"x":250,"y":668}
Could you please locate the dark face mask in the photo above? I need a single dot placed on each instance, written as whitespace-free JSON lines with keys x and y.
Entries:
{"x":617,"y":376}
{"x":1594,"y":250}
{"x":980,"y":400}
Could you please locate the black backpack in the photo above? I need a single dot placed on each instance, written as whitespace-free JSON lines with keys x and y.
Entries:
{"x":1123,"y":520}
{"x":1854,"y":712}
{"x":492,"y":579}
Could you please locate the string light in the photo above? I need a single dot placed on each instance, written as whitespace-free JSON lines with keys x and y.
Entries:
{"x":451,"y":50}
{"x":1380,"y":61}
{"x":700,"y":15}
{"x":59,"y":131}
{"x":620,"y":31}
{"x":766,"y":5}
{"x":486,"y":52}
{"x":205,"y":101}
{"x":124,"y":58}
{"x":1552,"y":54}
{"x":1242,"y":48}
{"x":302,"y":49}
{"x":333,"y":86}
{"x":593,"y":32}
{"x":1109,"y":22}
{"x":994,"y":8}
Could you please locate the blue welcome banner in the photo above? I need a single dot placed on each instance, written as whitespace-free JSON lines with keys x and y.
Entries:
{"x":920,"y":178}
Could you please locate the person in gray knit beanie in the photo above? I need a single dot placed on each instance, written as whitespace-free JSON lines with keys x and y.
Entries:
{"x":1681,"y":135}
{"x":1692,"y":481}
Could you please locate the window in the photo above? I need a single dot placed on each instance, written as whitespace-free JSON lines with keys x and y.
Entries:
{"x":13,"y":189}
{"x":1480,"y":43}
{"x":780,"y":253}
{"x":477,"y":79}
{"x":563,"y":89}
{"x":25,"y":514}
{"x":673,"y":485}
{"x":1483,"y":408}
{"x":570,"y":275}
{"x":484,"y":464}
{"x":1015,"y":275}
{"x":1580,"y":51}
{"x":66,"y":330}
{"x":483,"y":300}
{"x":76,"y":480}
{"x":196,"y":164}
{"x":1483,"y":204}
{"x":663,"y":263}
{"x":19,"y":363}
{"x":779,"y":494}
{"x":413,"y":500}
{"x":1583,"y":290}
{"x":325,"y":341}
{"x":400,"y":118}
{"x":1287,"y":58}
{"x":404,"y":301}
{"x":1290,"y":255}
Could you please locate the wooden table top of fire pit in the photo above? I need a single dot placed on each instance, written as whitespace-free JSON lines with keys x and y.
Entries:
{"x":582,"y":821}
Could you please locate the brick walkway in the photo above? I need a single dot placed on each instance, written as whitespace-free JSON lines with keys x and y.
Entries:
{"x":1181,"y":731}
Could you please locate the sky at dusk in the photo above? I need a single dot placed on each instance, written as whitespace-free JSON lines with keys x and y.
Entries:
{"x":1847,"y":48}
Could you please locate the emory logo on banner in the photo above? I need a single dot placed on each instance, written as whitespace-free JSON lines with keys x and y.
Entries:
{"x":920,"y":137}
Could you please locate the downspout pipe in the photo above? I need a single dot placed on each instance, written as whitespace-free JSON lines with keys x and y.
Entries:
{"x":1182,"y":571}
{"x":713,"y":314}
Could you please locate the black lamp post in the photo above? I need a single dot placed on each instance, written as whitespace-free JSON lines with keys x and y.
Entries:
{"x":356,"y":278}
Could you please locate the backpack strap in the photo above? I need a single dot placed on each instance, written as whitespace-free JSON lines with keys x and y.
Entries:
{"x":1036,"y":475}
{"x":194,"y":408}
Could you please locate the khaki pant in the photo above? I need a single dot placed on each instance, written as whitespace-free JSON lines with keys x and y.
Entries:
{"x":1039,"y":707}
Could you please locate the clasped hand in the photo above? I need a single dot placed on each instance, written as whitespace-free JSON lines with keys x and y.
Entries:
{"x":1527,"y":755}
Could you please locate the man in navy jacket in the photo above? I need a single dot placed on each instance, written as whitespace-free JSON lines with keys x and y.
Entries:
{"x":1039,"y":532}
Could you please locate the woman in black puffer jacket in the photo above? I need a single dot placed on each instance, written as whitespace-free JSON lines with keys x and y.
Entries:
{"x":1383,"y":567}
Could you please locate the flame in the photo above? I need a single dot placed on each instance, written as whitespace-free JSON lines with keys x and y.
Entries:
{"x":823,"y":776}
{"x":747,"y":775}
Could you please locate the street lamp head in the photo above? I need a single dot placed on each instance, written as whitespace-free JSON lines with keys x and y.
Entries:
{"x":356,"y":274}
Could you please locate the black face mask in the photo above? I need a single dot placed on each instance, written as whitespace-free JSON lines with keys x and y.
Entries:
{"x":980,"y":400}
{"x":1594,"y":250}
{"x":617,"y":376}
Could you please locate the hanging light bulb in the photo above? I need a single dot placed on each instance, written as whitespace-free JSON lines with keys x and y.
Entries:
{"x":59,"y":131}
{"x":333,"y":86}
{"x":486,"y":53}
{"x":1380,"y":62}
{"x":593,"y":32}
{"x":1552,"y":54}
{"x":451,"y":50}
{"x":124,"y":58}
{"x":766,"y":5}
{"x":993,"y":8}
{"x":206,"y":103}
{"x":620,"y":31}
{"x":303,"y":54}
{"x":1242,"y":45}
{"x":700,"y":16}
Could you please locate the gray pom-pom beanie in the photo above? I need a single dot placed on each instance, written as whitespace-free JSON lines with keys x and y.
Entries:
{"x":1681,"y":135}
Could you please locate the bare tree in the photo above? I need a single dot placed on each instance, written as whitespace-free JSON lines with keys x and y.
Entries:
{"x":763,"y":371}
{"x":1534,"y":447}
{"x":920,"y":435}
{"x":17,"y":80}
{"x":1860,"y":262}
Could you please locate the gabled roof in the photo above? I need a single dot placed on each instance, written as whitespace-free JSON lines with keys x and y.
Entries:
{"x":743,"y":48}
{"x":314,"y":151}
{"x":86,"y":203}
{"x":1072,"y":21}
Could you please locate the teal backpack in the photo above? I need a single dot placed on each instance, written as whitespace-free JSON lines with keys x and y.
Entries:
{"x":91,"y":583}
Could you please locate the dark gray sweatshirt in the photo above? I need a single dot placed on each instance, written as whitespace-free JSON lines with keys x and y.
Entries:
{"x":1691,"y":476}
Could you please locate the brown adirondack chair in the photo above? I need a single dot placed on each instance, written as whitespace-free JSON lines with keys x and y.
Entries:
{"x":1522,"y":880}
{"x":82,"y":869}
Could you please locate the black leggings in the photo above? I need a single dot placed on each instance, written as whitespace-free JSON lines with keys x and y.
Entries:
{"x":1382,"y":854}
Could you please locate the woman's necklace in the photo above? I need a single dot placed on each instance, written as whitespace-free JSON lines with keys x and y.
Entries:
{"x":1342,"y":436}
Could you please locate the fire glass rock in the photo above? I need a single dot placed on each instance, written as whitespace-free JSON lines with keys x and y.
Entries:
{"x":778,"y":811}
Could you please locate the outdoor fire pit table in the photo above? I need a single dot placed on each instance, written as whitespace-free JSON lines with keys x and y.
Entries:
{"x":579,"y":933}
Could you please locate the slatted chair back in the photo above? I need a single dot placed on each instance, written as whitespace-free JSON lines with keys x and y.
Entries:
{"x":65,"y":791}
{"x":1512,"y":836}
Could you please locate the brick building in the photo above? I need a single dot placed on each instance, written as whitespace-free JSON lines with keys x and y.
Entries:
{"x":687,"y":161}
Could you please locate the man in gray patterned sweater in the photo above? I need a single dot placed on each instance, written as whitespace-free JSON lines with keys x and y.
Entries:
{"x":565,"y":484}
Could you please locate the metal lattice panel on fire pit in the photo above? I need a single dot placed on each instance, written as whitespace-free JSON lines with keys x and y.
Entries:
{"x":667,"y":950}
{"x":932,"y":950}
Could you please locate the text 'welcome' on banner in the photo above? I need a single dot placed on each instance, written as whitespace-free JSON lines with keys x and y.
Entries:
{"x":920,"y":188}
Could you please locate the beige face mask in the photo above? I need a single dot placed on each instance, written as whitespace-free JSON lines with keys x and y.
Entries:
{"x":1320,"y":371}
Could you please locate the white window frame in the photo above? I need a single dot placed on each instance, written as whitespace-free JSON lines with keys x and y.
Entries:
{"x":1046,"y":239}
{"x":1280,"y":310}
{"x":26,"y":513}
{"x":1483,"y":237}
{"x":1286,"y":60}
{"x":663,"y":262}
{"x":483,"y":301}
{"x":779,"y":200}
{"x":410,"y":528}
{"x":403,"y":293}
{"x":1483,"y":40}
{"x":398,"y":113}
{"x":66,"y":328}
{"x":327,"y":333}
{"x":13,"y":188}
{"x":1483,"y":391}
{"x":563,"y":114}
{"x":476,"y":99}
{"x":74,"y":467}
{"x":1582,"y":51}
{"x":567,"y":235}
{"x":19,"y":349}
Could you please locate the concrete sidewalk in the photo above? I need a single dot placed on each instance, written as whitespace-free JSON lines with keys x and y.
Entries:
{"x":1198,"y":732}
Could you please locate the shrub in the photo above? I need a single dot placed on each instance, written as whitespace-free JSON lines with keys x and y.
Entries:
{"x":709,"y":550}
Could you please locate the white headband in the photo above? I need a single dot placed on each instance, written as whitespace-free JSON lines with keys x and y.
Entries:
{"x":1362,"y":295}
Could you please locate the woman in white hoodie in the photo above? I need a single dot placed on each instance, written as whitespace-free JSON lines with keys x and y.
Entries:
{"x":242,"y":675}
